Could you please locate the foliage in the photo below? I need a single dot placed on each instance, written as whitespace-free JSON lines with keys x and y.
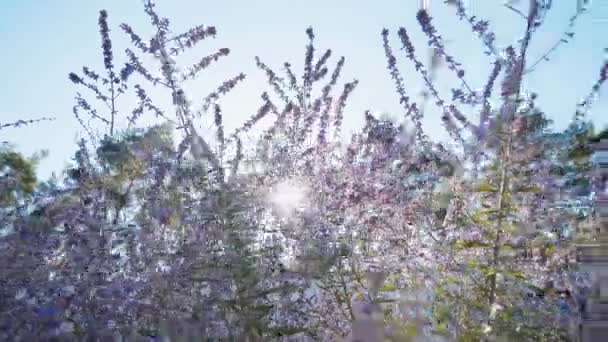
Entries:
{"x":385,"y":235}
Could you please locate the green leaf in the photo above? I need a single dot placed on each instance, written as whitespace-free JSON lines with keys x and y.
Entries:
{"x":388,"y":287}
{"x":441,"y":329}
{"x":451,"y":279}
{"x":515,"y":274}
{"x":471,"y":265}
{"x":510,"y":228}
{"x":411,"y":330}
{"x":489,"y":272}
{"x":285,"y":331}
{"x":264,"y":308}
{"x":532,"y":188}
{"x":384,"y":301}
{"x":471,"y":244}
{"x":485,"y":187}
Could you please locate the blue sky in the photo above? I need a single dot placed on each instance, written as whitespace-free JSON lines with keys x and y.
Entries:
{"x":45,"y":40}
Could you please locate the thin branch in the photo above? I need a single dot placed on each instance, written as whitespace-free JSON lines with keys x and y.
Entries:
{"x":20,"y":123}
{"x":516,"y":11}
{"x":563,"y":40}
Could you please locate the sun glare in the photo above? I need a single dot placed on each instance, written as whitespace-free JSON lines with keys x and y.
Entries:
{"x":288,"y":195}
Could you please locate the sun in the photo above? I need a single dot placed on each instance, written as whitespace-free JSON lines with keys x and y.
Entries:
{"x":288,"y":195}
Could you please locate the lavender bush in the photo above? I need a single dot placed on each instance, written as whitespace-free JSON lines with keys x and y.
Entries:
{"x":159,"y":232}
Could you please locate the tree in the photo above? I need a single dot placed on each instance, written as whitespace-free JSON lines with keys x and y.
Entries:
{"x":486,"y":292}
{"x":18,"y":177}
